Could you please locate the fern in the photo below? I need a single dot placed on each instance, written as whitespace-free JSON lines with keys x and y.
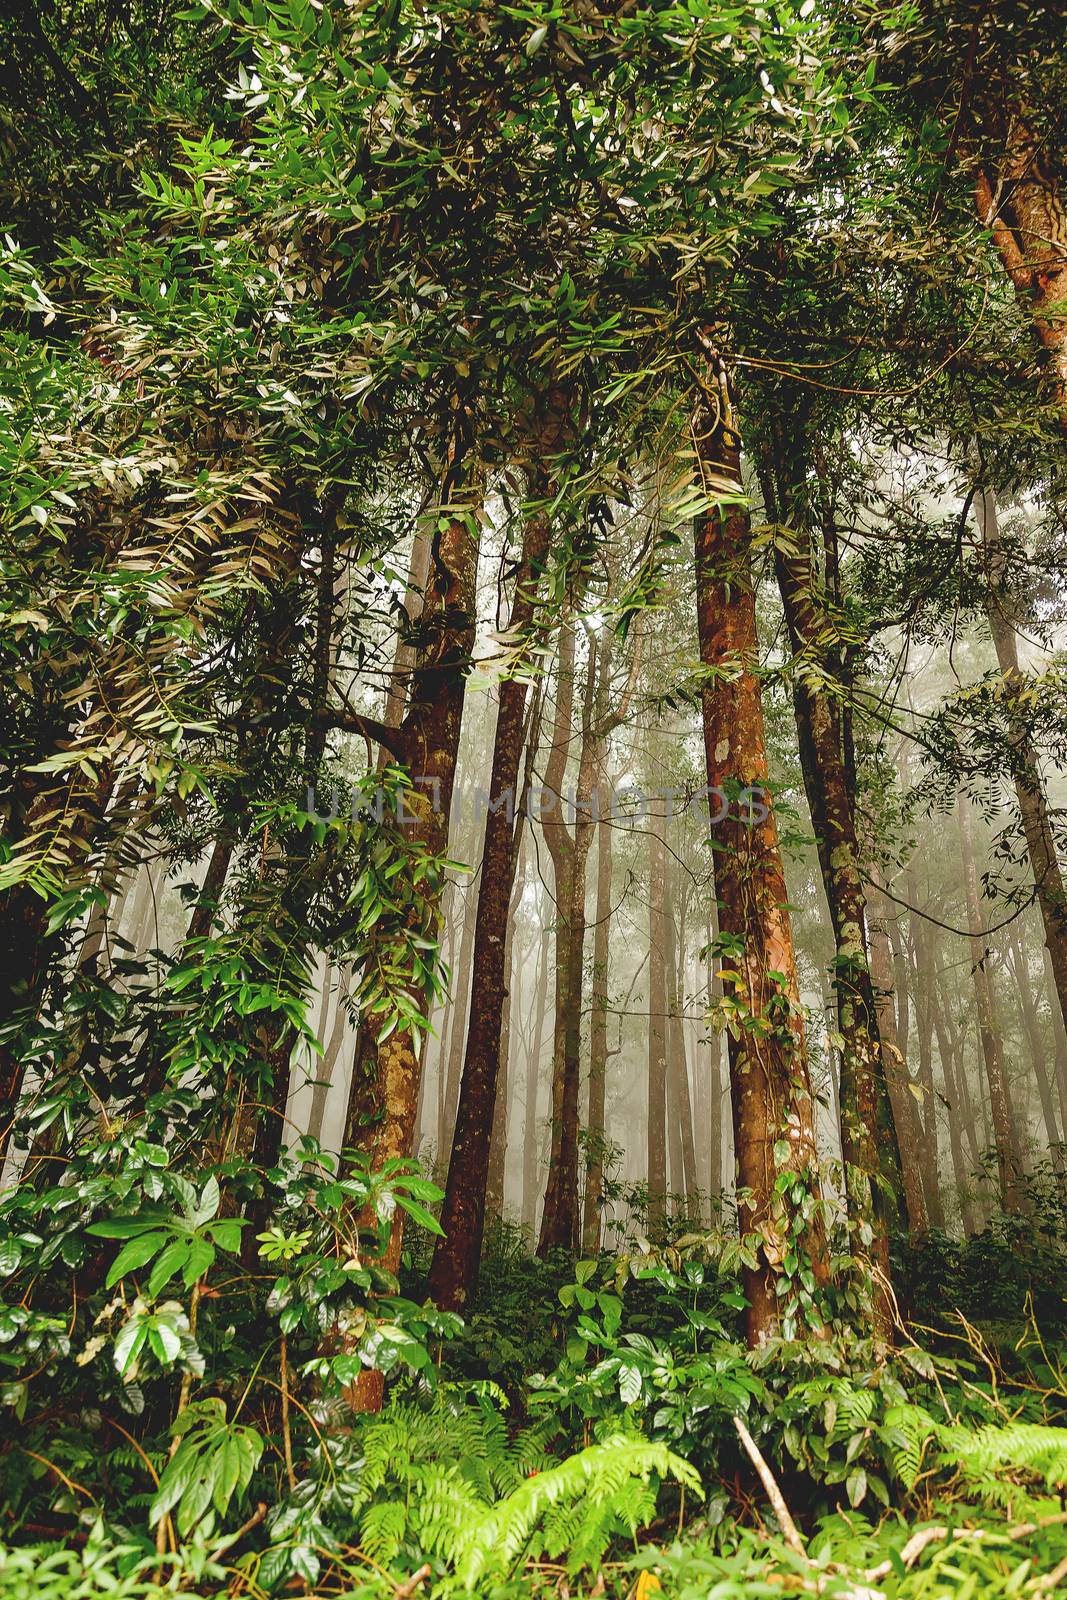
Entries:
{"x":990,"y":1459}
{"x":597,"y":1474}
{"x":1029,"y":1450}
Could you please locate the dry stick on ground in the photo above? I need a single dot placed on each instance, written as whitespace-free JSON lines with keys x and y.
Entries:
{"x":287,"y":1437}
{"x":790,"y":1531}
{"x":405,"y":1590}
{"x":927,"y":1536}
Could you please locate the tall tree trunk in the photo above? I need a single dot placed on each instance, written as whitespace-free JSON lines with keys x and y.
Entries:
{"x":452,"y":1064}
{"x":561,"y":852}
{"x":387,"y":1075}
{"x":1059,"y":1035}
{"x":598,"y":1032}
{"x":960,"y":1087}
{"x":868,"y":1136}
{"x":716,"y":1095}
{"x":957,"y":1108}
{"x":328,"y":1065}
{"x":559,"y":1221}
{"x":1021,"y":203}
{"x":657,"y":1022}
{"x":530,"y":1132}
{"x":457,"y":1256}
{"x":679,"y":1097}
{"x":1004,"y":1133}
{"x":771,"y":1089}
{"x":898,"y":1079}
{"x":1026,"y":771}
{"x":1020,"y":974}
{"x":498,"y":1142}
{"x":924,"y":1030}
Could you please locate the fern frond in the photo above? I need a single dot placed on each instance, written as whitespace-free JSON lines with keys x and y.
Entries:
{"x":598,"y":1472}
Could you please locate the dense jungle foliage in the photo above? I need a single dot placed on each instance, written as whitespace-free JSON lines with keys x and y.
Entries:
{"x":533,"y":1012}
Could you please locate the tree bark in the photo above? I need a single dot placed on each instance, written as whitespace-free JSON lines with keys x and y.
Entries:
{"x":1004,"y":1134}
{"x":771,"y":1089}
{"x":868,"y":1136}
{"x":1020,"y":975}
{"x":530,"y":1132}
{"x":1059,"y":1034}
{"x":657,"y":1023}
{"x":895,"y":1067}
{"x":457,"y":1256}
{"x":957,"y":1110}
{"x":1026,"y":771}
{"x":924,"y":1030}
{"x":428,"y":736}
{"x":679,"y":1096}
{"x":1021,"y":203}
{"x":598,"y":1033}
{"x":457,"y":1026}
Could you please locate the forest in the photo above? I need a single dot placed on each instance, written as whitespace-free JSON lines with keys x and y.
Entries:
{"x":533,"y":799}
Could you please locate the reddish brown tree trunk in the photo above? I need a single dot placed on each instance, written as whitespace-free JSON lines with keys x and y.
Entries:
{"x":570,"y":855}
{"x":772,"y":1106}
{"x":457,"y":1256}
{"x":1022,"y":205}
{"x":386,"y":1076}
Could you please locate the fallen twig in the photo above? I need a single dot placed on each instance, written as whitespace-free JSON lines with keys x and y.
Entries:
{"x":934,"y":1535}
{"x":790,"y":1531}
{"x":405,"y":1590}
{"x":246,"y":1527}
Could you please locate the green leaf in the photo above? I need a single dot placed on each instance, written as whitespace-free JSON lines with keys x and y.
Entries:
{"x":418,"y":1213}
{"x":169,"y":1264}
{"x":134,"y":1255}
{"x":129,"y":1343}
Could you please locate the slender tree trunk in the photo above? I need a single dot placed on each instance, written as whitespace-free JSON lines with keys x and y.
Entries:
{"x":457,"y":1031}
{"x":406,"y":653}
{"x":716,"y":1096}
{"x":1026,"y":771}
{"x":387,"y":1075}
{"x":561,"y":851}
{"x":958,"y":1085}
{"x":898,"y":1079}
{"x":1020,"y":974}
{"x":598,"y":1032}
{"x":1004,"y":1135}
{"x":457,"y":1256}
{"x":957,"y":1110}
{"x":559,"y":1221}
{"x":328,"y":1065}
{"x":498,"y":1143}
{"x":657,"y":1022}
{"x":1059,"y":1036}
{"x":530,"y":1131}
{"x":924,"y":1029}
{"x":772,"y":1104}
{"x":679,"y":1097}
{"x":868,"y":1135}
